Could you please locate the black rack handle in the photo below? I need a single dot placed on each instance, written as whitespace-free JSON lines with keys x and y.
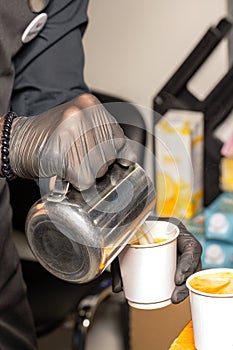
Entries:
{"x":175,"y":94}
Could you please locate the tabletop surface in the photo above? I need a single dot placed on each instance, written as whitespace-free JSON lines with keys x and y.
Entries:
{"x":185,"y":339}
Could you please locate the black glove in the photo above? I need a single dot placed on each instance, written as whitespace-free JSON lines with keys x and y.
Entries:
{"x":77,"y":141}
{"x":189,"y":252}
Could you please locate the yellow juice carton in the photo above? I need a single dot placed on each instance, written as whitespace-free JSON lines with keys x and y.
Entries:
{"x":226,"y":174}
{"x":179,"y":164}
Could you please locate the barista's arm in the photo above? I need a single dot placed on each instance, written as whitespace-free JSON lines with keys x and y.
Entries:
{"x":49,"y":69}
{"x":77,"y":141}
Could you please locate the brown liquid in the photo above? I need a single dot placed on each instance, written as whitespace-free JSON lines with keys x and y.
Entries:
{"x":214,"y":283}
{"x":145,"y":235}
{"x":155,"y":241}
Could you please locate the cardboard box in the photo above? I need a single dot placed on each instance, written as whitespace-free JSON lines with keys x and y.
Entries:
{"x":157,"y":329}
{"x":216,"y":254}
{"x":219,"y":218}
{"x":179,"y":164}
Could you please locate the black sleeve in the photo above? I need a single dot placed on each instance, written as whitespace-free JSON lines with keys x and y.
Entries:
{"x":16,"y":322}
{"x":49,"y":69}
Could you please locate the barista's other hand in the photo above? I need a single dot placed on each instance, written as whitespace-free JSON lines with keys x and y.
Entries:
{"x":189,"y":252}
{"x":77,"y":141}
{"x":117,"y":285}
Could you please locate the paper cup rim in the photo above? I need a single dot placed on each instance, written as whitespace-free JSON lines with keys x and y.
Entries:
{"x":204,"y":272}
{"x":152,"y":245}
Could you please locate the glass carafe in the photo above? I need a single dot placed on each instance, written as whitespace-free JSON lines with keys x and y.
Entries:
{"x":76,"y":235}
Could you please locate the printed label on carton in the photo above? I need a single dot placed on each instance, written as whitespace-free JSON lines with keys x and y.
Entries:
{"x":179,"y":164}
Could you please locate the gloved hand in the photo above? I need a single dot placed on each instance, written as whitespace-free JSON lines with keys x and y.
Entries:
{"x":188,"y":261}
{"x":76,"y":141}
{"x":189,"y":252}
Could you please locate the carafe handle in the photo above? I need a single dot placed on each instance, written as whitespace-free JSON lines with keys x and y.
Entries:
{"x":59,"y":191}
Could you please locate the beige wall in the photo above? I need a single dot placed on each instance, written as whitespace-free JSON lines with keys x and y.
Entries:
{"x":132,"y":47}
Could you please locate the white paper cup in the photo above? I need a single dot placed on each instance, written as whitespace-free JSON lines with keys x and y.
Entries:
{"x":212,"y":316}
{"x":148,"y":270}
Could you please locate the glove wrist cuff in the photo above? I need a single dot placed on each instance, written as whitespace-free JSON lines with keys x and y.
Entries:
{"x":5,"y":125}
